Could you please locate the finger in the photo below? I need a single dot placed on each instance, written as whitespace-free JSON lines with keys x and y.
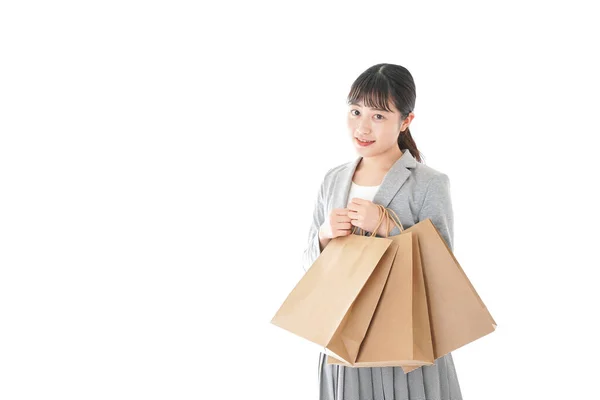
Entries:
{"x":337,"y":217}
{"x":356,"y":215}
{"x":340,"y":211}
{"x":343,"y":226}
{"x":353,"y":215}
{"x":342,"y":232}
{"x":354,"y":206}
{"x":343,"y":221}
{"x":358,"y":200}
{"x":357,"y":222}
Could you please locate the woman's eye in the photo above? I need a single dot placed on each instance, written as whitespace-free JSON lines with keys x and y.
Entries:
{"x":382,"y":117}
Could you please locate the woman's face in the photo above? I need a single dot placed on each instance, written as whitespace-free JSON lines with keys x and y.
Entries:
{"x":379,"y":127}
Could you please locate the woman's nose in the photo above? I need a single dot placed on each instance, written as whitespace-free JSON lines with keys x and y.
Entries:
{"x":362,"y":128}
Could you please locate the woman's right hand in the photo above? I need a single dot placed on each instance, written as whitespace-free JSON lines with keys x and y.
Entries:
{"x":338,"y":224}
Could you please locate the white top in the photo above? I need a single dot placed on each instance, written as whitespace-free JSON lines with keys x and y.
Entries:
{"x":362,"y":192}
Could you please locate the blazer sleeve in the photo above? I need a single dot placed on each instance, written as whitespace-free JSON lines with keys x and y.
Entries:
{"x":313,"y":250}
{"x":437,"y":205}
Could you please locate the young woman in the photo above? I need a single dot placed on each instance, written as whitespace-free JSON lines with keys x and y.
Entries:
{"x":388,"y":171}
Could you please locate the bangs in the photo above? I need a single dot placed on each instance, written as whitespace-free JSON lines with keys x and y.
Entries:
{"x":373,"y":90}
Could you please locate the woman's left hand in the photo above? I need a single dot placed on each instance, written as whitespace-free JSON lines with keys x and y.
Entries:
{"x":365,"y":214}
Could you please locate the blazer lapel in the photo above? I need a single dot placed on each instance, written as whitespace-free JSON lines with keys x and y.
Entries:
{"x":394,"y":179}
{"x":392,"y":182}
{"x":342,"y":186}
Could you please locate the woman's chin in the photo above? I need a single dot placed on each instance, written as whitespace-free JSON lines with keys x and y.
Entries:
{"x":365,"y":150}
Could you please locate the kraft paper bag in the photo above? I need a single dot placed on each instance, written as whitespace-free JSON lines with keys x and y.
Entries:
{"x":399,"y":333}
{"x":458,"y":316}
{"x":317,"y":308}
{"x":351,"y":332}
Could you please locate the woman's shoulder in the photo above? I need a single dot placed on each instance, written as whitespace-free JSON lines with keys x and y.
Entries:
{"x":333,"y":172}
{"x":425,"y":174}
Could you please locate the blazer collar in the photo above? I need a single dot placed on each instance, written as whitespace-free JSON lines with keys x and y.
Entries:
{"x":390,"y":185}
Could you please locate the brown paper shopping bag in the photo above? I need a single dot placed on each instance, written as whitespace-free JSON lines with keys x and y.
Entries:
{"x":317,"y":307}
{"x":458,"y":316}
{"x":399,"y":333}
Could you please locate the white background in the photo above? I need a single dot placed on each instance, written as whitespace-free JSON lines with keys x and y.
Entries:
{"x":159,"y":162}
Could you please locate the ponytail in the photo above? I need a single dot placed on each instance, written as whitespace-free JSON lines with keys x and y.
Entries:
{"x":405,"y":141}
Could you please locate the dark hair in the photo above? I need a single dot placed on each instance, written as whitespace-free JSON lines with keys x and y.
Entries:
{"x":381,"y":83}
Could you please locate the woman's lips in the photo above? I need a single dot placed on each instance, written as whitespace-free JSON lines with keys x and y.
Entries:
{"x":363,"y":144}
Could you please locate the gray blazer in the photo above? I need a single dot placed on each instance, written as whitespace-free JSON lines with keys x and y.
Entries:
{"x":413,"y":190}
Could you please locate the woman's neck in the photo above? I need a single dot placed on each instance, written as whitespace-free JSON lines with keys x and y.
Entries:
{"x":381,"y":162}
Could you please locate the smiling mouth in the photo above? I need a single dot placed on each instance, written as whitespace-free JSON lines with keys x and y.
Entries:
{"x":365,"y":141}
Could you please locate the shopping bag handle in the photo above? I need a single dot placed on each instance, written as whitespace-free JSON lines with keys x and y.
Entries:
{"x":396,"y":219}
{"x":382,"y":213}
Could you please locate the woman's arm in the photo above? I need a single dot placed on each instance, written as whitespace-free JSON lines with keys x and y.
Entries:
{"x":437,"y":205}
{"x":313,"y":249}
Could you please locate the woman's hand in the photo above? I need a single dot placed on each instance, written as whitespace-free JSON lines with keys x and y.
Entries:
{"x":365,"y":214}
{"x":338,"y":224}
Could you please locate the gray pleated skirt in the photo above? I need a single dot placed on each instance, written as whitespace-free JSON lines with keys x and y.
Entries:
{"x":430,"y":382}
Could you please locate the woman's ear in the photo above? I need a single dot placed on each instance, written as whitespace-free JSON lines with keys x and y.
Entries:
{"x":407,"y":121}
